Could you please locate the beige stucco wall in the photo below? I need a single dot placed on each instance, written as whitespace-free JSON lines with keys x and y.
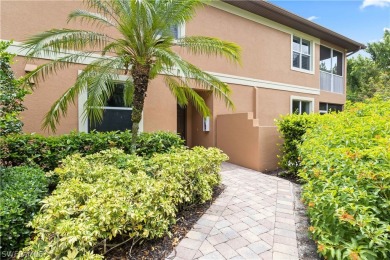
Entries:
{"x":266,"y":52}
{"x":246,"y":143}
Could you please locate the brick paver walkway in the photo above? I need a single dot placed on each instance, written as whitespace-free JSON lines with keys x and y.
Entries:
{"x":252,"y":219}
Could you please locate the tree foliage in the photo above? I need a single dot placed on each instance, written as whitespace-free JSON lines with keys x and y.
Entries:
{"x":368,"y":76}
{"x":140,"y":45}
{"x":11,"y":95}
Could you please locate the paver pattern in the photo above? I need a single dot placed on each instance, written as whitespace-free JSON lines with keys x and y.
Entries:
{"x":252,"y":219}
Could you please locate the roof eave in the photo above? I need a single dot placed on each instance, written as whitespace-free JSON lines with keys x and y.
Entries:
{"x":282,"y":16}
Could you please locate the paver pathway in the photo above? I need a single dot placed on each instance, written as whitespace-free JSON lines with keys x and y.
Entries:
{"x":252,"y":219}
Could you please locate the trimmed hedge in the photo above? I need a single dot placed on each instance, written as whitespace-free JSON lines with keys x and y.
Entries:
{"x":22,"y":188}
{"x":346,"y":164}
{"x":292,"y":128}
{"x":111,"y":194}
{"x":47,"y":152}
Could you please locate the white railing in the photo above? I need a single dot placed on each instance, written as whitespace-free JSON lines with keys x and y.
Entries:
{"x":332,"y":83}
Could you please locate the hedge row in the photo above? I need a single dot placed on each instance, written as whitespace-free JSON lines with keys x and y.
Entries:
{"x":346,"y":166}
{"x":21,"y":189}
{"x":110,"y":194}
{"x":292,"y":128}
{"x":47,"y":152}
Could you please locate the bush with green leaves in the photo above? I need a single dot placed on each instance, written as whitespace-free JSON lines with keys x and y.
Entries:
{"x":111,"y":193}
{"x":292,"y":128}
{"x":22,"y":188}
{"x":47,"y":152}
{"x":346,"y":166}
{"x":11,"y":95}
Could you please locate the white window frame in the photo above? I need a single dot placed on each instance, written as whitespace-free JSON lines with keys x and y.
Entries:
{"x":311,"y":55}
{"x":297,"y":98}
{"x":83,"y":120}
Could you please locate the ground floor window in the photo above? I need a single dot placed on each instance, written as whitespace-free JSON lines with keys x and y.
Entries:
{"x":301,"y":105}
{"x":116,"y":116}
{"x":328,"y":107}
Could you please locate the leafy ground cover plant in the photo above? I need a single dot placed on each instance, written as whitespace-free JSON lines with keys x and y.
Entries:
{"x":21,"y":190}
{"x":111,"y":193}
{"x":346,"y":164}
{"x":47,"y":152}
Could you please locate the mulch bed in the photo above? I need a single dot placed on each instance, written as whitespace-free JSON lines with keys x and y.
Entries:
{"x":282,"y":174}
{"x":162,"y":247}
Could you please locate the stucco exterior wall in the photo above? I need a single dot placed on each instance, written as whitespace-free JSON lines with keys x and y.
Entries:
{"x":266,"y":52}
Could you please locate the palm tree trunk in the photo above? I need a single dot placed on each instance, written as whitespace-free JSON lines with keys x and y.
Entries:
{"x":140,"y":74}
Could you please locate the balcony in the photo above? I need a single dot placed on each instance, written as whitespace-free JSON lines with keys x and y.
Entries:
{"x":331,"y":82}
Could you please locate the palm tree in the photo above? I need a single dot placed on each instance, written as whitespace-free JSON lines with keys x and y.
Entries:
{"x":143,"y":49}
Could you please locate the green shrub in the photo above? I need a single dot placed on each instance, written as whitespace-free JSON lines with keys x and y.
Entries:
{"x":21,"y":190}
{"x":111,"y":193}
{"x":292,"y":128}
{"x":11,"y":95}
{"x":47,"y":152}
{"x":346,"y":164}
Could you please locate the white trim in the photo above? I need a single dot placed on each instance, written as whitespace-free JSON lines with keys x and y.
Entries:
{"x":226,"y":78}
{"x":182,"y":30}
{"x":83,"y":121}
{"x":15,"y":48}
{"x":261,"y":20}
{"x":298,"y":98}
{"x":258,"y":83}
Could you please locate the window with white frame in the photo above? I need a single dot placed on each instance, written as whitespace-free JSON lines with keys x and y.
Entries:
{"x":301,"y":105}
{"x":301,"y":54}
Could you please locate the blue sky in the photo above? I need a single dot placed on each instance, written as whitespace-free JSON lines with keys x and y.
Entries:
{"x":361,"y":20}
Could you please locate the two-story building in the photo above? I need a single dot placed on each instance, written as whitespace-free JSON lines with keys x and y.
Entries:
{"x":289,"y":64}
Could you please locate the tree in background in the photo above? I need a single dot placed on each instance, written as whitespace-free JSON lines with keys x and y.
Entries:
{"x":140,"y":46}
{"x":11,"y":95}
{"x":368,"y":76}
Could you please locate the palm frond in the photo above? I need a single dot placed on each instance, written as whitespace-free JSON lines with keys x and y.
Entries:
{"x":91,"y":77}
{"x":128,"y":92}
{"x":183,"y":93}
{"x":200,"y":45}
{"x":52,"y":67}
{"x":175,"y":12}
{"x":60,"y":107}
{"x":90,"y":17}
{"x":58,"y":40}
{"x":198,"y":77}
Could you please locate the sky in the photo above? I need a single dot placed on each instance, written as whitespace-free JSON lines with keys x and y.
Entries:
{"x":361,"y":20}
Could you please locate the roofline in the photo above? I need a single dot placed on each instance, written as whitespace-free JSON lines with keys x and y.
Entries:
{"x":282,"y":16}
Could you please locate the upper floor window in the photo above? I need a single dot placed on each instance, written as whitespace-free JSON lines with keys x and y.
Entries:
{"x":331,"y":68}
{"x":301,"y":53}
{"x":331,"y":61}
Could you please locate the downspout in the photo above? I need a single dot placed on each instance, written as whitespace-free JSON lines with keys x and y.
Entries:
{"x":349,"y":54}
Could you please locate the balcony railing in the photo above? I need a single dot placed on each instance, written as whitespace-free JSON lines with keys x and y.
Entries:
{"x":332,"y":83}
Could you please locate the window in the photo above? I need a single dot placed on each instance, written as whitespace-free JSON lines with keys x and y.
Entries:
{"x":327,"y":107}
{"x":301,"y":53}
{"x":301,"y":105}
{"x":331,"y":67}
{"x":176,"y":31}
{"x":116,"y":117}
